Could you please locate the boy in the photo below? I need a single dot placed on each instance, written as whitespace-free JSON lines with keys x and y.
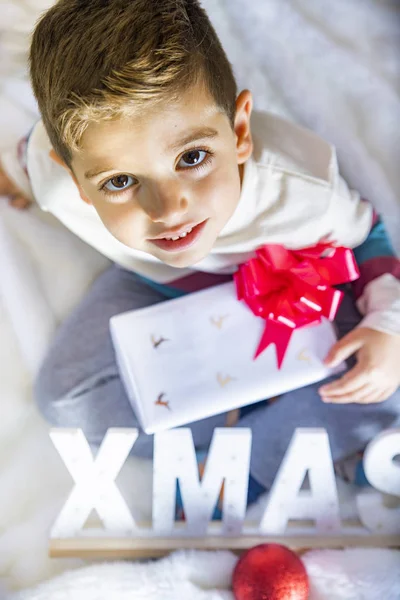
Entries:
{"x":146,"y":152}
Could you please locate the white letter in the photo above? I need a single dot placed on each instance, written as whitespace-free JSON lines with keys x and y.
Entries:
{"x":95,"y":487}
{"x":308,"y":452}
{"x":384,"y":474}
{"x":175,"y":459}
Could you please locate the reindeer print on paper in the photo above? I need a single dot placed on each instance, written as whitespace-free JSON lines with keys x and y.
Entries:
{"x":304,"y":356}
{"x":161,"y":402}
{"x":157,"y":342}
{"x":224,"y":380}
{"x":218,"y":321}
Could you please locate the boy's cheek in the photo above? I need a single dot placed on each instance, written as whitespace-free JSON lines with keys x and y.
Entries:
{"x":221,"y":190}
{"x":124,"y":221}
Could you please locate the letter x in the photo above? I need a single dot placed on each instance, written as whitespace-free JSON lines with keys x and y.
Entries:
{"x":95,"y":487}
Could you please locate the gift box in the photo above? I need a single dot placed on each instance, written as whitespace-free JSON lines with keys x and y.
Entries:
{"x":192,"y":357}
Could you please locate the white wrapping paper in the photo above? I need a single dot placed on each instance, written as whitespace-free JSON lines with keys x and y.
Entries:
{"x":189,"y":358}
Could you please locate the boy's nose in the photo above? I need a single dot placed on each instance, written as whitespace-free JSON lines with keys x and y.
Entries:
{"x":166,"y":206}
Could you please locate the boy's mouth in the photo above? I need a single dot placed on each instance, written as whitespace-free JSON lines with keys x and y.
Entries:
{"x":174,"y":242}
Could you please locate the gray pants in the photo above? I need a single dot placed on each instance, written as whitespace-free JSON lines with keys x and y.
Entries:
{"x":79,"y":386}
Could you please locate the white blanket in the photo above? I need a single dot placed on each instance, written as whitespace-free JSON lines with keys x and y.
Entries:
{"x":332,"y":66}
{"x":334,"y":575}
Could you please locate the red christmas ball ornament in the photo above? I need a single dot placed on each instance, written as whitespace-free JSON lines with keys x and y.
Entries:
{"x":270,"y":572}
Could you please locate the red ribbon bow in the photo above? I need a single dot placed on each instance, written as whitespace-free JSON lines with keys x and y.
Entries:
{"x":291,"y":289}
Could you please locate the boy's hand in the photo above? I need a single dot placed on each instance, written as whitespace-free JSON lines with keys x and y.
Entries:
{"x":377,"y":373}
{"x":17,"y":198}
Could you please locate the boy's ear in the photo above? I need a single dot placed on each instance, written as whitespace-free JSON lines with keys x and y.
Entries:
{"x":57,"y":159}
{"x":244,"y":142}
{"x":60,"y":162}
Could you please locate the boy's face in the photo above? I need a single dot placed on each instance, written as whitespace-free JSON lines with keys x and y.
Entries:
{"x":174,"y":172}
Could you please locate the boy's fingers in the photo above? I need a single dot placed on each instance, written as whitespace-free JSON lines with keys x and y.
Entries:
{"x":387,"y":394}
{"x":367,"y":396}
{"x":353,"y":380}
{"x":354,"y":396}
{"x":19,"y":202}
{"x":343,"y":349}
{"x":7,"y":187}
{"x":352,"y":387}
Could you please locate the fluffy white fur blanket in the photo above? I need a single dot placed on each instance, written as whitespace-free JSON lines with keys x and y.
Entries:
{"x":334,"y":574}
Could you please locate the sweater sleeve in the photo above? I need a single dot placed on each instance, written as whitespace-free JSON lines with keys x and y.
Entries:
{"x":377,"y":290}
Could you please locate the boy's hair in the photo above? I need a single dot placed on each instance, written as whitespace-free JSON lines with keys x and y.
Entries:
{"x":94,"y":60}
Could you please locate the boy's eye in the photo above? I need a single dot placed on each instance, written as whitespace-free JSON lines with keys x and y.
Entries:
{"x":192,"y":158}
{"x":119,"y":183}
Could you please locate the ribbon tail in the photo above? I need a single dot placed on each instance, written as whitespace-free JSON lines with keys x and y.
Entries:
{"x":277,"y":334}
